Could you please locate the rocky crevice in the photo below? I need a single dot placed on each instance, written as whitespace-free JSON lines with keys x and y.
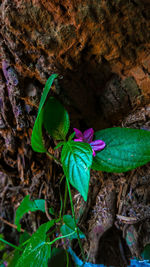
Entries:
{"x":100,"y":50}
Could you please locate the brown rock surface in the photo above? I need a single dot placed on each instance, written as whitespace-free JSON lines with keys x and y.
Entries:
{"x":99,"y":48}
{"x":85,"y":41}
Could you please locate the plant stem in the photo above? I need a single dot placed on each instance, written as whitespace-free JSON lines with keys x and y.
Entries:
{"x":54,"y":158}
{"x":73,"y":214}
{"x":61,"y":201}
{"x":65,"y":198}
{"x":46,"y":212}
{"x":71,"y":202}
{"x":60,"y":237}
{"x":61,"y":205}
{"x":13,"y":251}
{"x":67,"y":257}
{"x":11,"y":245}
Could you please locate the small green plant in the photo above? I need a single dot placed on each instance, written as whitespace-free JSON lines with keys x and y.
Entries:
{"x":110,"y":150}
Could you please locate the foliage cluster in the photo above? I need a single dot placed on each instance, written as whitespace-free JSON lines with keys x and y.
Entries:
{"x":125,"y":149}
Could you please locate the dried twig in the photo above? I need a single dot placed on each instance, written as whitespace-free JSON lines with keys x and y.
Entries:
{"x":46,"y":211}
{"x":11,"y":225}
{"x":127,"y":220}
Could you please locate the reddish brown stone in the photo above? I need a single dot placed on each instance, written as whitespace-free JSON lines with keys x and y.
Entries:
{"x":145,"y":86}
{"x":86,"y":42}
{"x":138,"y":74}
{"x":146,"y":63}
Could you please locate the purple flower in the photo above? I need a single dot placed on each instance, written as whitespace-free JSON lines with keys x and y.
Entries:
{"x":87,"y":137}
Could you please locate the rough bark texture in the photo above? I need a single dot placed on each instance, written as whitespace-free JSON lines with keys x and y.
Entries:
{"x":100,"y":48}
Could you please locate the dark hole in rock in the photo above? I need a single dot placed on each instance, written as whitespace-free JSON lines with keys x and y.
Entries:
{"x":63,"y":9}
{"x":78,"y":45}
{"x":63,"y":56}
{"x":112,"y":250}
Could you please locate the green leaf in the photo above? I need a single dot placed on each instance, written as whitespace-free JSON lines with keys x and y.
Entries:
{"x":76,"y":158}
{"x":146,"y":252}
{"x":2,"y":245}
{"x":51,"y":211}
{"x":59,"y":258}
{"x":17,"y":254}
{"x":56,"y":119}
{"x":37,"y":251}
{"x":23,"y":237}
{"x":46,"y":91}
{"x":126,"y":149}
{"x":59,"y":145}
{"x":28,"y":205}
{"x":69,"y":227}
{"x":37,"y":142}
{"x":71,"y":136}
{"x":15,"y":258}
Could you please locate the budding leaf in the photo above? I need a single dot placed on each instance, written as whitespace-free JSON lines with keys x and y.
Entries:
{"x":76,"y":158}
{"x":46,"y":91}
{"x":26,"y":206}
{"x":37,"y":142}
{"x":69,"y":227}
{"x":56,"y":119}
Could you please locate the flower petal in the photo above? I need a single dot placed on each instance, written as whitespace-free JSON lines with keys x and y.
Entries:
{"x":97,"y":145}
{"x":88,"y":135}
{"x":78,"y":133}
{"x":94,"y":154}
{"x":78,"y":140}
